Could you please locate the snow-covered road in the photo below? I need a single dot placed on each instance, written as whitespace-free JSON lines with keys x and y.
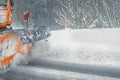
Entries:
{"x":50,"y":70}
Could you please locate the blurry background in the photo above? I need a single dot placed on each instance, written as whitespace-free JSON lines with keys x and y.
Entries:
{"x":78,"y":13}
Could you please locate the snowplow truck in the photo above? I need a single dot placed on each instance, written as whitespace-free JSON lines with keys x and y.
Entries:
{"x":15,"y":41}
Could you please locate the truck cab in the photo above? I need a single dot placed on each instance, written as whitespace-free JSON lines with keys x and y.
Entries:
{"x":5,"y":13}
{"x":4,"y":2}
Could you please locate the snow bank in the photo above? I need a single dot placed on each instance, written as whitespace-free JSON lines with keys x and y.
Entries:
{"x":87,"y":46}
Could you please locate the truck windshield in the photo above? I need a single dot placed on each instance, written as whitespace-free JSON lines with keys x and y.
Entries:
{"x":3,"y":2}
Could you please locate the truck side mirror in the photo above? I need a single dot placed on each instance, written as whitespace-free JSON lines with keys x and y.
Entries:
{"x":12,"y":3}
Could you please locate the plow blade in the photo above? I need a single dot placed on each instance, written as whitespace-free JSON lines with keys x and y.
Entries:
{"x":31,"y":36}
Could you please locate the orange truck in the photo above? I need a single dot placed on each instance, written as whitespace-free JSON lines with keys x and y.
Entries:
{"x":5,"y":13}
{"x":12,"y":41}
